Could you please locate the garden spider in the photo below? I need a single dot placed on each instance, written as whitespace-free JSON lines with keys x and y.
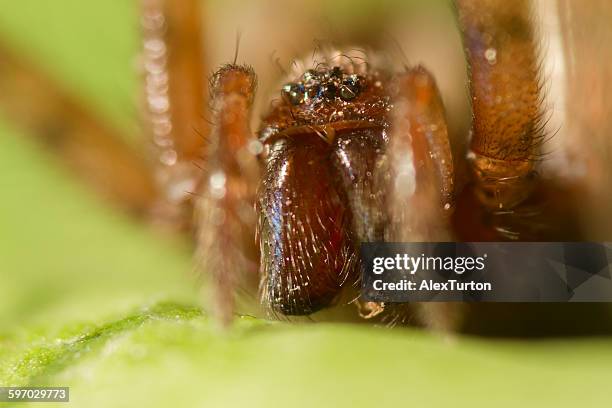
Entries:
{"x":354,"y":149}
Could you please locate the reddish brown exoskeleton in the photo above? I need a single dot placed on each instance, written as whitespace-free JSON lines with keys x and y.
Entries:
{"x":354,"y":149}
{"x":326,"y":184}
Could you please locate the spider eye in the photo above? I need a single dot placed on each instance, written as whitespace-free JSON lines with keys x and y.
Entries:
{"x":350,"y":88}
{"x":330,"y":91}
{"x":294,"y":93}
{"x":313,"y":92}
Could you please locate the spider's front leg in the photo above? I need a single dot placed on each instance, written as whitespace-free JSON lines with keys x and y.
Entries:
{"x":226,"y":218}
{"x":175,"y":95}
{"x":420,"y":189}
{"x":92,"y":148}
{"x":508,"y":126}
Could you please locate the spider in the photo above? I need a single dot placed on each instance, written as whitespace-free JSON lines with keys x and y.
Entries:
{"x":353,"y":149}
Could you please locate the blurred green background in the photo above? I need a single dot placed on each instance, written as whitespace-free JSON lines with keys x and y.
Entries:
{"x":92,"y":300}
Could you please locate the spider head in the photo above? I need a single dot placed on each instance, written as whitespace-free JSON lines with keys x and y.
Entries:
{"x":327,"y":97}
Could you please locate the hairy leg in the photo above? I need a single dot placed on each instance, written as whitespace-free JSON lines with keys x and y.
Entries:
{"x":507,"y":145}
{"x":175,"y":94}
{"x":225,"y":211}
{"x":96,"y":152}
{"x":508,"y":129}
{"x":506,"y":99}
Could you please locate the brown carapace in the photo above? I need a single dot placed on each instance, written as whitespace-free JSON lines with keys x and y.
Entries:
{"x":353,"y":149}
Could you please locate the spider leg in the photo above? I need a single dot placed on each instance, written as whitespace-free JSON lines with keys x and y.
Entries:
{"x":506,"y":98}
{"x":508,"y":126}
{"x":95,"y":151}
{"x":175,"y":99}
{"x":175,"y":95}
{"x":225,"y":210}
{"x":420,"y":198}
{"x":421,"y":188}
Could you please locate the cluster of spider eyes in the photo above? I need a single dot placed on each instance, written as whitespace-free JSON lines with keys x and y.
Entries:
{"x":327,"y":85}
